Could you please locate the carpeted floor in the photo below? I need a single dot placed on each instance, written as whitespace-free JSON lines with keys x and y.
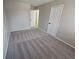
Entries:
{"x":35,"y":44}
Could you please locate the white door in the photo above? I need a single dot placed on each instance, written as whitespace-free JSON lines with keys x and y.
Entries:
{"x":54,"y":19}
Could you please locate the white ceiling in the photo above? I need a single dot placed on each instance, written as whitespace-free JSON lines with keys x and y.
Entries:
{"x":35,"y":2}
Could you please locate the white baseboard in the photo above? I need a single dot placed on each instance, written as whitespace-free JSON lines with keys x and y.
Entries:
{"x":42,"y":30}
{"x":64,"y":42}
{"x":61,"y":40}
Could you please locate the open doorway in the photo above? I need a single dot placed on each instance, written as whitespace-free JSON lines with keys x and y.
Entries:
{"x":35,"y":18}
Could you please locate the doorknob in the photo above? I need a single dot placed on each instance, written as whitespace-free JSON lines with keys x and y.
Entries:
{"x":49,"y":23}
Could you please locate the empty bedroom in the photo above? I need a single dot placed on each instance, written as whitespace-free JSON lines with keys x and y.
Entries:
{"x":38,"y":29}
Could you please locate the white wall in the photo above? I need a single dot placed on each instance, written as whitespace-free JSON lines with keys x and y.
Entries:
{"x":66,"y":30}
{"x":6,"y":34}
{"x":19,"y":15}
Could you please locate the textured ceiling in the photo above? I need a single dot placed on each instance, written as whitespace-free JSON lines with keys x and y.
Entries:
{"x":35,"y":2}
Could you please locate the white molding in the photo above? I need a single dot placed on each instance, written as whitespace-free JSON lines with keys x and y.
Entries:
{"x":63,"y":41}
{"x":59,"y":39}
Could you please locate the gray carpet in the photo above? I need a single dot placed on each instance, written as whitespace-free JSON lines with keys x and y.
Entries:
{"x":35,"y":44}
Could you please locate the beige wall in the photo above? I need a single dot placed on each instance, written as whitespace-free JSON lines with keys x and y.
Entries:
{"x":44,"y":12}
{"x":18,"y":14}
{"x":66,"y":30}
